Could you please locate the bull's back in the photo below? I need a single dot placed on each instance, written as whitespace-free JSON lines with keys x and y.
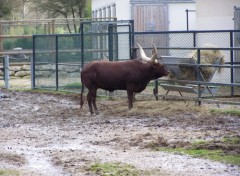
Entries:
{"x":109,"y":75}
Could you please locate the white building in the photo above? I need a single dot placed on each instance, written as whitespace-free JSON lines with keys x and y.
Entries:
{"x":203,"y":14}
{"x":148,"y":15}
{"x":215,"y":14}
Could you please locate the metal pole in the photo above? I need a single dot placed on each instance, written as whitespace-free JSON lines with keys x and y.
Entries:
{"x":133,"y":52}
{"x":232,"y":60}
{"x":194,"y":39}
{"x":33,"y":84}
{"x":187,"y":18}
{"x":82,"y":45}
{"x":198,"y":77}
{"x":110,"y":41}
{"x":82,"y":51}
{"x":6,"y":71}
{"x":57,"y":82}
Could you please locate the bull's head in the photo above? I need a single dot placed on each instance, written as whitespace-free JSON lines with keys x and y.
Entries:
{"x":147,"y":59}
{"x":154,"y":60}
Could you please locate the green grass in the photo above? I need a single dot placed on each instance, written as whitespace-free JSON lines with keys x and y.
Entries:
{"x":232,"y":140}
{"x":114,"y":169}
{"x":216,"y":150}
{"x":9,"y":172}
{"x":226,"y":111}
{"x":73,"y":86}
{"x":215,"y":155}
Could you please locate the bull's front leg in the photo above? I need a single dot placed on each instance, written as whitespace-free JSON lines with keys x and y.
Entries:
{"x":130,"y":99}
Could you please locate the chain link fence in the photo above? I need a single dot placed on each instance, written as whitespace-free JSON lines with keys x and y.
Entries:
{"x":58,"y":59}
{"x":184,"y":44}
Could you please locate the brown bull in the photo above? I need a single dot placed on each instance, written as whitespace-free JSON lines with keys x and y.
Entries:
{"x":132,"y":76}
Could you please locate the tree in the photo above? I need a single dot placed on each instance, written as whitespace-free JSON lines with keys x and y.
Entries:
{"x":7,"y":7}
{"x":64,"y":8}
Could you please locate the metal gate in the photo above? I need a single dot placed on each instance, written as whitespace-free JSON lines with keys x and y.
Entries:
{"x":106,"y":39}
{"x":58,"y":59}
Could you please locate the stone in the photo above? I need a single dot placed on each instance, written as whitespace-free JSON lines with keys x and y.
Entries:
{"x":22,"y":73}
{"x":26,"y":67}
{"x":15,"y":68}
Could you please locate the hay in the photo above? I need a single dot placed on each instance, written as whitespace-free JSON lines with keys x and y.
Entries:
{"x":206,"y":57}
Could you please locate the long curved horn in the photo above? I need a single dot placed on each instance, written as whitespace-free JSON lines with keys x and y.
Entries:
{"x":154,"y":54}
{"x":142,"y":54}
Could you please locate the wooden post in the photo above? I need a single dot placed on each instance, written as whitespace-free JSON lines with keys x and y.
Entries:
{"x":1,"y":39}
{"x":53,"y":26}
{"x":45,"y":28}
{"x":49,"y":28}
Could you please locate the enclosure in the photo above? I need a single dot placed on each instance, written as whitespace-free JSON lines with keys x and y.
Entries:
{"x":57,"y":59}
{"x":46,"y":133}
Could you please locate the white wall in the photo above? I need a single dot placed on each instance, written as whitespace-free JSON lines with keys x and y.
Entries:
{"x":215,"y":14}
{"x":177,"y":16}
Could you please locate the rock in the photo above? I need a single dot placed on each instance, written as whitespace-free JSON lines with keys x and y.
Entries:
{"x":63,"y":74}
{"x":15,"y":68}
{"x":26,"y":67}
{"x":11,"y":73}
{"x":22,"y":73}
{"x":44,"y":73}
{"x":69,"y":69}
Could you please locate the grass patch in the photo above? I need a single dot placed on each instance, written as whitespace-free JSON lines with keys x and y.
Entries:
{"x":226,"y":111}
{"x":8,"y":172}
{"x":232,"y":140}
{"x":74,"y":85}
{"x":114,"y":169}
{"x":225,"y":150}
{"x":215,"y":155}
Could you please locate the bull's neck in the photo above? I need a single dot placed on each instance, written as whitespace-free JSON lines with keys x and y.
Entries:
{"x":150,"y":74}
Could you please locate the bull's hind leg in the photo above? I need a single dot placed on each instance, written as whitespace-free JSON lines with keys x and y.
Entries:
{"x":89,"y":99}
{"x":94,"y":95}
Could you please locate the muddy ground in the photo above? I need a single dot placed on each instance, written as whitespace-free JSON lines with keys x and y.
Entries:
{"x":47,"y":134}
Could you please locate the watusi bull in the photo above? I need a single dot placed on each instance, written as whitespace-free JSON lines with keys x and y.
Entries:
{"x":132,"y":76}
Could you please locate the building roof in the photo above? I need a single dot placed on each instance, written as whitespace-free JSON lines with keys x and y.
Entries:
{"x":158,"y":1}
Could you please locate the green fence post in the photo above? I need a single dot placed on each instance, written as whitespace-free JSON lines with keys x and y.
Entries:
{"x":6,"y":71}
{"x":198,"y":77}
{"x":56,"y":43}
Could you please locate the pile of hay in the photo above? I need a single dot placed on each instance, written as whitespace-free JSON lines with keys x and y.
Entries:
{"x":206,"y":57}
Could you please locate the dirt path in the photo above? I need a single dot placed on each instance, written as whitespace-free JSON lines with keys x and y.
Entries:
{"x":44,"y":134}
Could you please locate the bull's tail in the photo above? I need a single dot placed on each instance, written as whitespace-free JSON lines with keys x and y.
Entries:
{"x":81,"y":101}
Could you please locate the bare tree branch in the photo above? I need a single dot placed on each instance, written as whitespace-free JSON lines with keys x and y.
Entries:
{"x":64,"y":8}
